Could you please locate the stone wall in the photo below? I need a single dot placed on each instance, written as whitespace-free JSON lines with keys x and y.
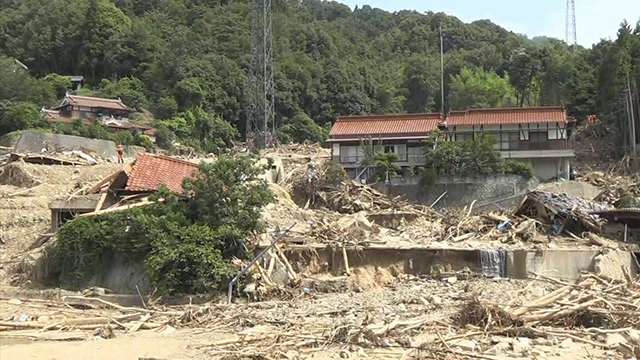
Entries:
{"x":495,"y":191}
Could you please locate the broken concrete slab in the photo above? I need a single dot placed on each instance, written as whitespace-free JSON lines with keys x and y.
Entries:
{"x":575,"y":188}
{"x":610,"y":264}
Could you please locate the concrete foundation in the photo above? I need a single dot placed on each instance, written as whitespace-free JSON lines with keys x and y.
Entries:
{"x":520,"y":264}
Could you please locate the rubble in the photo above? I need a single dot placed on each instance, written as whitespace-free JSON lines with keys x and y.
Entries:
{"x":619,"y":191}
{"x":564,"y":211}
{"x":586,"y":312}
{"x":364,"y":311}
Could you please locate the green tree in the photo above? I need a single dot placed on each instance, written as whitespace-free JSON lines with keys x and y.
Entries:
{"x":524,"y":68}
{"x":129,"y":89}
{"x":300,"y":128}
{"x":61,"y":84}
{"x":19,"y":85}
{"x":19,"y":116}
{"x":469,"y":158}
{"x":480,"y":89}
{"x":101,"y":20}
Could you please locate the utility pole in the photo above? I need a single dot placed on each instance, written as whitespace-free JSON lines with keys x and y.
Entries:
{"x":632,"y":127}
{"x":441,"y":73}
{"x":570,"y":36}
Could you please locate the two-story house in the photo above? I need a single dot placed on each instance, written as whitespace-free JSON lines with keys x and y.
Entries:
{"x":537,"y":136}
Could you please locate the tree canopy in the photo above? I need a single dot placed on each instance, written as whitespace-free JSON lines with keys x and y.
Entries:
{"x":174,"y":56}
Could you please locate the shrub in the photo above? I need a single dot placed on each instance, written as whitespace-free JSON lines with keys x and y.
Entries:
{"x":300,"y":128}
{"x":19,"y":116}
{"x":516,"y":167}
{"x":144,"y":141}
{"x":164,"y":137}
{"x":166,"y":107}
{"x":427,"y":177}
{"x":477,"y":157}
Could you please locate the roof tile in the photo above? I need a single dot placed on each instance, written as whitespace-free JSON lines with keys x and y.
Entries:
{"x":385,"y":125}
{"x":150,"y":171}
{"x":501,"y":116}
{"x":94,"y":102}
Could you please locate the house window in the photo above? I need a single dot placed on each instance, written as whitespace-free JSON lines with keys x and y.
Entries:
{"x":400,"y":149}
{"x":539,"y":140}
{"x":415,"y":154}
{"x":349,"y":154}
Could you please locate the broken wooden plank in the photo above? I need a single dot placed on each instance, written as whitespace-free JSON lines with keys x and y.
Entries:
{"x":120,"y":208}
{"x":103,"y":197}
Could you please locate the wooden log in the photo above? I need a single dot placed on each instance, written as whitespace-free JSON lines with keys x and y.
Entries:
{"x":121,"y":308}
{"x":543,"y":301}
{"x":346,"y":261}
{"x":286,"y":263}
{"x":70,"y":322}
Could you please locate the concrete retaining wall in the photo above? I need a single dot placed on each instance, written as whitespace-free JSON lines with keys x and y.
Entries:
{"x":520,"y":264}
{"x":497,"y":191}
{"x":34,"y":141}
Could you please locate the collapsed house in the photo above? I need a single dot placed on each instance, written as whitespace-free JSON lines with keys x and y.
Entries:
{"x":134,"y":182}
{"x":572,"y":215}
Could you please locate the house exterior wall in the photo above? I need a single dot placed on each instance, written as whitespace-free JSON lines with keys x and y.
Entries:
{"x":82,"y":112}
{"x":350,"y":154}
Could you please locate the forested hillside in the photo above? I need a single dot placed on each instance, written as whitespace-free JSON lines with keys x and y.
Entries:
{"x":186,"y":60}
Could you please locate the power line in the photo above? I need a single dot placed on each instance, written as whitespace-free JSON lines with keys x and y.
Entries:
{"x":570,"y":36}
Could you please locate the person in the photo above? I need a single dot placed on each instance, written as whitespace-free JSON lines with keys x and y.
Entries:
{"x":120,"y":158}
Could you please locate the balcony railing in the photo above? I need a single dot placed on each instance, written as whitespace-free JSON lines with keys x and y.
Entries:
{"x":538,"y":145}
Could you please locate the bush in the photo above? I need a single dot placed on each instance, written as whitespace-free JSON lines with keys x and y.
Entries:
{"x":516,"y":167}
{"x":144,"y":141}
{"x":185,"y":244}
{"x":60,"y":83}
{"x":477,"y":157}
{"x":129,"y":89}
{"x":164,"y":137}
{"x":166,"y":107}
{"x":19,"y":116}
{"x":427,"y":177}
{"x":300,"y":128}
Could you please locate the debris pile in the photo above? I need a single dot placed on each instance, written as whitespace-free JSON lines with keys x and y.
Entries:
{"x":590,"y":312}
{"x":565,"y":212}
{"x":619,"y":191}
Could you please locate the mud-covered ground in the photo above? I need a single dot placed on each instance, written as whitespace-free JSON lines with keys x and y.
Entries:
{"x":395,"y":318}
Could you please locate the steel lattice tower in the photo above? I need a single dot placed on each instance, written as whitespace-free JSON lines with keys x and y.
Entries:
{"x":260,"y":114}
{"x":570,"y":36}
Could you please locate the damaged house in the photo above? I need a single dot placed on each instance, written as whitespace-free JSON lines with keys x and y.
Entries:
{"x":134,"y":181}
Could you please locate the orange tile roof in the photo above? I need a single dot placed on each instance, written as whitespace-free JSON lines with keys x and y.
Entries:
{"x":384,"y":125}
{"x":150,"y":171}
{"x":498,"y":116}
{"x":93,"y":102}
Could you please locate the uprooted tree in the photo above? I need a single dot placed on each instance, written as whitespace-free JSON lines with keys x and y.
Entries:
{"x":184,"y":242}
